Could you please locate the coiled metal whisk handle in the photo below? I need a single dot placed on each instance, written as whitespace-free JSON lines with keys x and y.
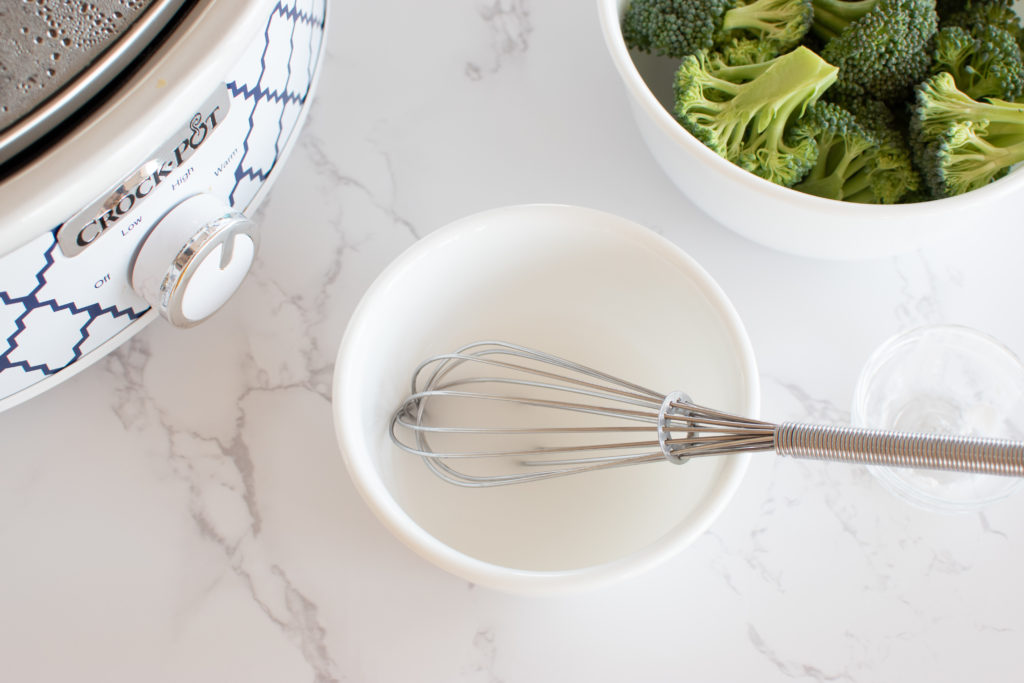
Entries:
{"x":896,"y":449}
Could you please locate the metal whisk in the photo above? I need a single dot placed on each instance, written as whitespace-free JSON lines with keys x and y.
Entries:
{"x":544,"y":416}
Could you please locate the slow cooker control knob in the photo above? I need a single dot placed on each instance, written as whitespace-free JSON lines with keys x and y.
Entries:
{"x":194,"y":259}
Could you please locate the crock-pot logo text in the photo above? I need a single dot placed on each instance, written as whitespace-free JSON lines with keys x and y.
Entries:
{"x":87,"y":226}
{"x":125,"y":198}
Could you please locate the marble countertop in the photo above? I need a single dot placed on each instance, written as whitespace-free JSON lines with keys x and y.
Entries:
{"x":180,"y":511}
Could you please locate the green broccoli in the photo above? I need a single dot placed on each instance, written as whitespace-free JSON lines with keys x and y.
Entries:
{"x":831,"y":17}
{"x":969,"y":13}
{"x":674,"y":28}
{"x":782,"y":23}
{"x":962,"y":144}
{"x":742,"y":51}
{"x":985,"y":61}
{"x":886,"y":52}
{"x":747,"y":113}
{"x":861,"y":163}
{"x":895,"y":160}
{"x":964,"y":158}
{"x":844,"y":153}
{"x":831,"y":117}
{"x":677,"y":28}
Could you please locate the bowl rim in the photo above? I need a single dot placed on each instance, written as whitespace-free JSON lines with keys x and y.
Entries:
{"x":609,"y":15}
{"x":893,"y":478}
{"x":534,"y":582}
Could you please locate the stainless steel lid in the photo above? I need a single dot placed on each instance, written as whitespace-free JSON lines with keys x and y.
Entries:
{"x":57,"y":54}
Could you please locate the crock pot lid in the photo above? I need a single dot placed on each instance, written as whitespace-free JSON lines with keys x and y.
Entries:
{"x":56,"y":54}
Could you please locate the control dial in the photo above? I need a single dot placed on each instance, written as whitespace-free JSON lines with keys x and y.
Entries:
{"x":194,"y":259}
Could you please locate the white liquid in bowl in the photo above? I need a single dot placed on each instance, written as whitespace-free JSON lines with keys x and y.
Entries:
{"x":623,"y":301}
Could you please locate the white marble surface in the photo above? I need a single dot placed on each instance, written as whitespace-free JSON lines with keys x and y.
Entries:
{"x":180,"y":511}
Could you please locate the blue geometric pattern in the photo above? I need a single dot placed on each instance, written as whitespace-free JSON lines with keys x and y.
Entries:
{"x":68,"y":321}
{"x":31,"y":302}
{"x":288,"y":98}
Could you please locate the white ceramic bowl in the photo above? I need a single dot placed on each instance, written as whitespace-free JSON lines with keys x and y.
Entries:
{"x":582,"y":284}
{"x":773,"y":215}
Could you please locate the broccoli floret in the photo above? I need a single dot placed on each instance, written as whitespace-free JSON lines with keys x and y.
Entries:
{"x":964,"y":158}
{"x":962,"y":144}
{"x":677,"y":28}
{"x":674,"y":28}
{"x":940,"y":103}
{"x":874,"y":115}
{"x":969,"y":13}
{"x":985,"y":61}
{"x":886,"y":52}
{"x":832,"y":16}
{"x":895,"y":179}
{"x":780,"y":23}
{"x":748,"y":113}
{"x":857,"y":162}
{"x":740,"y":52}
{"x":844,"y":152}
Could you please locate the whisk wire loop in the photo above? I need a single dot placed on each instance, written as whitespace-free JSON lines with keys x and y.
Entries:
{"x":480,"y":353}
{"x":516,"y":377}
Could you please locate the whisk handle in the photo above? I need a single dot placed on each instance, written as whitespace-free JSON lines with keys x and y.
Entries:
{"x":898,"y":449}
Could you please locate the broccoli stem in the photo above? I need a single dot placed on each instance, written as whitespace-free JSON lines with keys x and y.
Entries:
{"x":1005,"y":118}
{"x":780,"y":86}
{"x":858,"y":185}
{"x":754,"y":17}
{"x":832,"y":16}
{"x":941,"y":104}
{"x":734,"y":75}
{"x":866,"y":196}
{"x":751,"y":122}
{"x":843,"y":176}
{"x":1005,"y":140}
{"x":970,"y":170}
{"x":830,"y":186}
{"x":784,"y":91}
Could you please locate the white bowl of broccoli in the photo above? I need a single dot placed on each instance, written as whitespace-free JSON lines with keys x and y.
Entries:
{"x":840,"y":129}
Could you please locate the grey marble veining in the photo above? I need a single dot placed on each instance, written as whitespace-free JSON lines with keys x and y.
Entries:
{"x":180,"y":511}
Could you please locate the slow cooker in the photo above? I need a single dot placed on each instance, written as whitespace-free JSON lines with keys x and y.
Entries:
{"x":136,"y":139}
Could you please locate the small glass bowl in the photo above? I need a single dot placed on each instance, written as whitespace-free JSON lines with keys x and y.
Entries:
{"x":945,"y":379}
